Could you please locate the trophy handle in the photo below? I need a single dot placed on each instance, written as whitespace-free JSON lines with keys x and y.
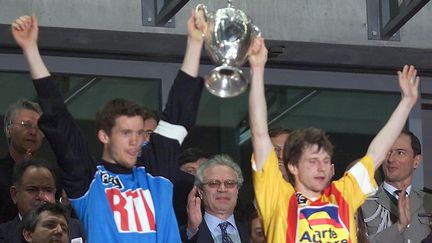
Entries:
{"x":203,"y":8}
{"x":229,"y":3}
{"x":256,"y":32}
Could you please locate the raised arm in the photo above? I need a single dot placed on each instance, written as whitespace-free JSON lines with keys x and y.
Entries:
{"x":183,"y":100}
{"x":257,"y":104}
{"x":60,"y":129}
{"x":196,"y":26}
{"x":381,"y":144}
{"x":181,"y":109}
{"x":25,"y":30}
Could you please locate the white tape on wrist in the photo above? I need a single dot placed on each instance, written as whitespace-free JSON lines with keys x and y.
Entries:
{"x":172,"y":131}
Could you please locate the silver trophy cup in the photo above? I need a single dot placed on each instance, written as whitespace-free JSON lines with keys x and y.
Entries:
{"x":229,"y":34}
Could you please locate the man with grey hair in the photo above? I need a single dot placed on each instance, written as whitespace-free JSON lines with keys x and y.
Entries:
{"x":24,"y":139}
{"x":217,"y":184}
{"x":22,"y":132}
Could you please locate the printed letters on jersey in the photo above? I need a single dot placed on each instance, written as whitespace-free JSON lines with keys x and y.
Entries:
{"x":321,"y":224}
{"x":133,"y":210}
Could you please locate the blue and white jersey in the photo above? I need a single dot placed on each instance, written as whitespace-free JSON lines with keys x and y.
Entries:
{"x":128,"y":207}
{"x":114,"y":203}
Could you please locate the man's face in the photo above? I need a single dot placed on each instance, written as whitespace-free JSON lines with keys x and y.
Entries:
{"x":257,"y":231}
{"x":49,"y":228}
{"x":37,"y":188}
{"x":192,"y":167}
{"x":313,"y":172}
{"x":149,"y":126}
{"x":24,"y":134}
{"x":219,"y":200}
{"x":400,"y":162}
{"x":278,"y":144}
{"x":123,"y":145}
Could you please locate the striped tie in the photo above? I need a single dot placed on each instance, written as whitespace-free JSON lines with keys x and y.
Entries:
{"x":225,"y":238}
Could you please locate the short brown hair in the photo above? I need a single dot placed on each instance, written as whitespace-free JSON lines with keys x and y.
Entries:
{"x":274,"y":132}
{"x":151,"y":114}
{"x":301,"y":138}
{"x":32,"y":218}
{"x":415,"y":142}
{"x":107,"y":114}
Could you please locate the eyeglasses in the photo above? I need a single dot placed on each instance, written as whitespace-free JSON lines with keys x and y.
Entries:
{"x":147,"y":133}
{"x":26,"y":125}
{"x":214,"y":184}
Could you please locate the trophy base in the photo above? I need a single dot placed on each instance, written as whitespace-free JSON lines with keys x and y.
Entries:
{"x":226,"y":81}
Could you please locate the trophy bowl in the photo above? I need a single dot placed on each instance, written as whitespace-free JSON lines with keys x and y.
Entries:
{"x":229,"y":35}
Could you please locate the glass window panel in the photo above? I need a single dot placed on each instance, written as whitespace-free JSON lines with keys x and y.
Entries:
{"x":223,"y":112}
{"x":340,"y":111}
{"x":142,"y":91}
{"x":13,"y":86}
{"x":84,"y":105}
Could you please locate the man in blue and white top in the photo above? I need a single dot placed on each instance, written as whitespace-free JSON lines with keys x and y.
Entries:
{"x":117,"y":199}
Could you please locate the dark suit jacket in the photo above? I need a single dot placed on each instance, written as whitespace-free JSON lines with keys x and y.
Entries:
{"x":8,"y":210}
{"x":204,"y":236}
{"x":183,"y":184}
{"x":9,"y":231}
{"x":428,"y":239}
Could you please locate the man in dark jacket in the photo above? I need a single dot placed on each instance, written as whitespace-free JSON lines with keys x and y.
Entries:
{"x":34,"y":184}
{"x":217,"y":182}
{"x":24,"y":139}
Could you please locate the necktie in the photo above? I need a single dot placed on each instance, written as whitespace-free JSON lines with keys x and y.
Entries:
{"x":392,"y":197}
{"x":225,"y":238}
{"x":397,"y":192}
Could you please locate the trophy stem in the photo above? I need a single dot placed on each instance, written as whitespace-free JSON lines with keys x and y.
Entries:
{"x":226,"y":81}
{"x":229,"y":3}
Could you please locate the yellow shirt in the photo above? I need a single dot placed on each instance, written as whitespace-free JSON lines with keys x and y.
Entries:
{"x":288,"y":216}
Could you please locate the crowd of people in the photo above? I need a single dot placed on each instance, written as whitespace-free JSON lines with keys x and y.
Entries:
{"x":145,"y":189}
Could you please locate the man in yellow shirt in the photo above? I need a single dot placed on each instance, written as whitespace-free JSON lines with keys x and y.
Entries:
{"x":314,"y":209}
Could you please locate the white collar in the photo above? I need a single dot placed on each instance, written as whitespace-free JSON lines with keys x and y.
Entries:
{"x":391,"y":189}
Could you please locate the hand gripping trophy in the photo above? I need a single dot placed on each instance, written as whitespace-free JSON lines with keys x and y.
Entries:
{"x":227,"y":39}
